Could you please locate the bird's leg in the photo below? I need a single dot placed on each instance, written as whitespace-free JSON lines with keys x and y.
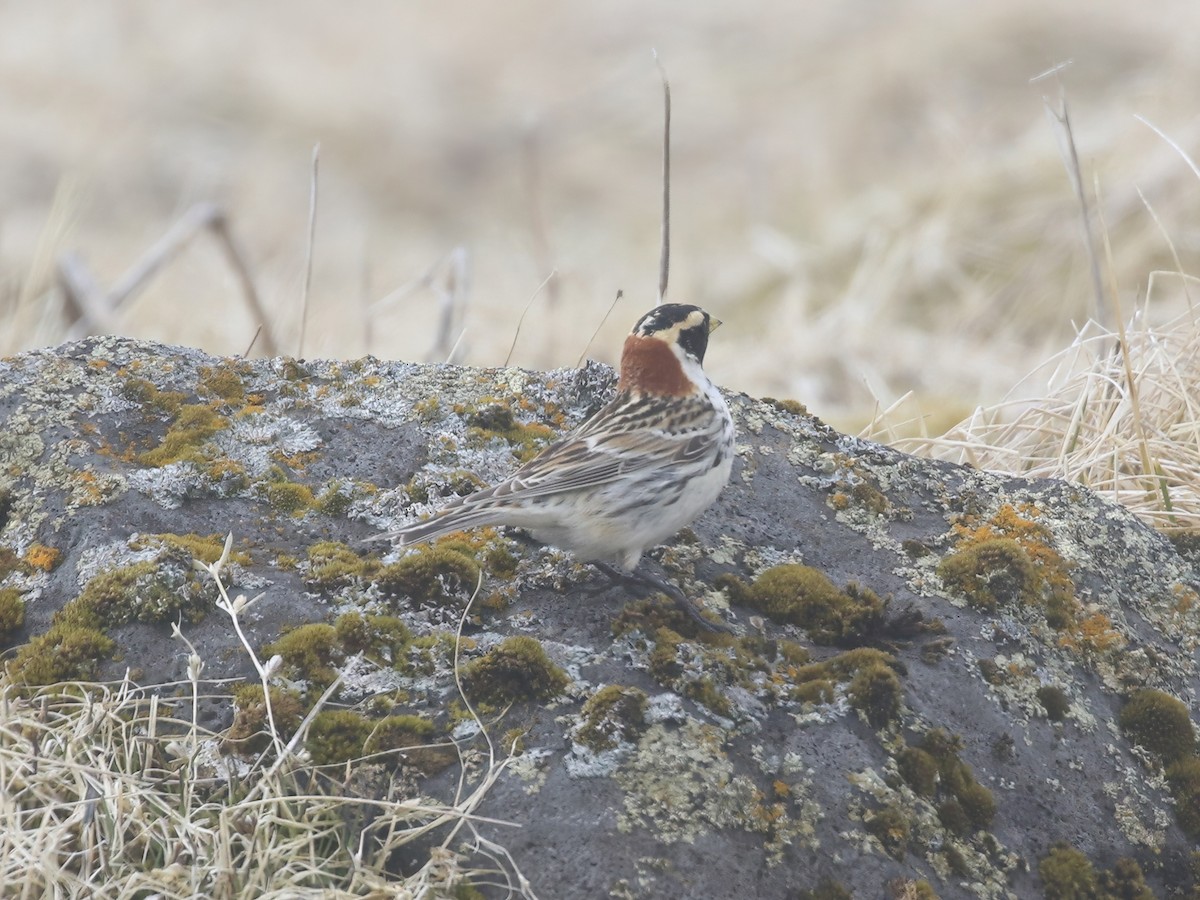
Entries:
{"x":649,"y":582}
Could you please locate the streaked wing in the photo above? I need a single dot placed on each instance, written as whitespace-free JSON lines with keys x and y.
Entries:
{"x":619,"y":440}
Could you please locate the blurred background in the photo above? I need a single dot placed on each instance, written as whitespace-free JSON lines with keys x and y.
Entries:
{"x":871,"y":195}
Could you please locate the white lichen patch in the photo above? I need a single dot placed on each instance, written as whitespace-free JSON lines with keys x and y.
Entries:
{"x":982,"y":863}
{"x":679,"y":785}
{"x":532,"y":767}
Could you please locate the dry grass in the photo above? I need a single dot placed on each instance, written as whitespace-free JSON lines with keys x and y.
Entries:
{"x":1116,"y":411}
{"x":117,"y":791}
{"x":869,"y":197}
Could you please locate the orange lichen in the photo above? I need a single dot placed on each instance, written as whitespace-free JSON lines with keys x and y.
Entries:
{"x":39,"y":556}
{"x":1094,"y":634}
{"x":1019,"y":523}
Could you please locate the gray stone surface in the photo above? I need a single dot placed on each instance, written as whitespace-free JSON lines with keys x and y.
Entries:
{"x":754,"y":792}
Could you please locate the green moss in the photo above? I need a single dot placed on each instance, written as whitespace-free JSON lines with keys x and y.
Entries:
{"x":1183,"y":776}
{"x":612,"y":715}
{"x":804,"y":596}
{"x":341,"y":736}
{"x":10,"y":562}
{"x":205,"y":547}
{"x":890,"y":826}
{"x":338,"y":736}
{"x":309,"y":652}
{"x":464,"y":890}
{"x":143,"y":392}
{"x":795,"y":407}
{"x":518,"y":669}
{"x":184,"y":439}
{"x":649,"y":614}
{"x":398,"y":732}
{"x":665,"y":666}
{"x":1011,"y":558}
{"x":704,"y":691}
{"x":935,"y":771}
{"x":1054,"y":700}
{"x":501,"y":562}
{"x":792,"y":653}
{"x":291,"y":497}
{"x":861,"y":495}
{"x":876,"y":692}
{"x":1160,"y":723}
{"x":458,"y":483}
{"x":64,"y":653}
{"x":435,"y":575}
{"x":12,"y":611}
{"x":990,"y":573}
{"x":495,"y":420}
{"x":918,"y":769}
{"x":292,"y":369}
{"x":941,"y":744}
{"x":953,"y":818}
{"x":223,"y":382}
{"x":978,"y":803}
{"x":1125,"y":881}
{"x":250,"y":732}
{"x":333,"y":563}
{"x":1068,"y":875}
{"x":379,"y":637}
{"x":141,"y":592}
{"x":918,"y":890}
{"x":334,"y":501}
{"x":819,"y":690}
{"x":848,"y":664}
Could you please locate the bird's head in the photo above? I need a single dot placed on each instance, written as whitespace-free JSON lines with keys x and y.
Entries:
{"x":665,"y":350}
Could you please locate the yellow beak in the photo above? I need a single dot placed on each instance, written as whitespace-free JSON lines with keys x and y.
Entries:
{"x":713,"y":324}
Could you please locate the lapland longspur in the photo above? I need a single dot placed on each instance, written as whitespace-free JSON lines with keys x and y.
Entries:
{"x":644,"y":466}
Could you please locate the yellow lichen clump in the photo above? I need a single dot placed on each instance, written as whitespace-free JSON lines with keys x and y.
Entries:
{"x":1010,"y":559}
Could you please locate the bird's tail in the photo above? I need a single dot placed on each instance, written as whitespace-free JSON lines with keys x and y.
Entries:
{"x":442,"y":523}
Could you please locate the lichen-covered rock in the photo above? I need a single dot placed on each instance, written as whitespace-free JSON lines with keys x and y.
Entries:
{"x":943,"y":679}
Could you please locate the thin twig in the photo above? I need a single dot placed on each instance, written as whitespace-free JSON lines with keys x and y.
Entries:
{"x":532,"y":170}
{"x":611,"y":307}
{"x":1172,"y":143}
{"x":664,"y":259}
{"x":308,"y":250}
{"x":521,"y":320}
{"x":1151,"y":470}
{"x":237,"y":261}
{"x":1170,"y":246}
{"x":94,"y":311}
{"x":452,"y":303}
{"x":1070,"y":156}
{"x":250,"y":346}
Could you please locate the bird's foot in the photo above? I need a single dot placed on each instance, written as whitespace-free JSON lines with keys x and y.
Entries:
{"x":643,"y":581}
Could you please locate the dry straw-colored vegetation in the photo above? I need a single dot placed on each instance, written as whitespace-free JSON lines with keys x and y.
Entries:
{"x":870,"y":199}
{"x":1116,"y":410}
{"x":116,"y":791}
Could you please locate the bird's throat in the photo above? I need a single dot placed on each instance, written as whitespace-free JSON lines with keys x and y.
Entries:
{"x":650,"y":365}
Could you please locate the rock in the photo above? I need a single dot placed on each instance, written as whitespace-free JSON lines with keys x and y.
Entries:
{"x":926,"y":683}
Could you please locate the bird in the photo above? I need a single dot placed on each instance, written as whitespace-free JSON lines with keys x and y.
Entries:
{"x":644,"y":466}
